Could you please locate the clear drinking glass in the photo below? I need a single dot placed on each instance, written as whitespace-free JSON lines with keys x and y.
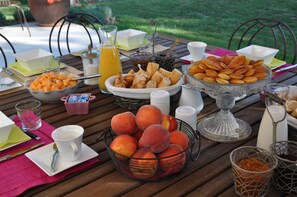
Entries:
{"x":109,"y":63}
{"x":29,"y":113}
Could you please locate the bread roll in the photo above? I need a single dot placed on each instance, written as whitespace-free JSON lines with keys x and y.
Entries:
{"x":119,"y":81}
{"x":164,"y":72}
{"x":152,"y":68}
{"x":139,"y":81}
{"x":291,"y":106}
{"x":175,"y":76}
{"x":129,"y":78}
{"x":157,"y":77}
{"x":164,"y":83}
{"x":294,"y":113}
{"x":151,"y":84}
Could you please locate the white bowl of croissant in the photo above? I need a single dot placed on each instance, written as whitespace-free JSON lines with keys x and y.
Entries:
{"x":139,"y":85}
{"x":291,"y":106}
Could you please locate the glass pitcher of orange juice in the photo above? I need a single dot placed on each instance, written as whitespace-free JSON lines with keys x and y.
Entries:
{"x":109,"y":64}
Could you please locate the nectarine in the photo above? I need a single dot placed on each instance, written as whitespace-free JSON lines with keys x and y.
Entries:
{"x":124,"y":144}
{"x":144,"y":165}
{"x":138,"y":134}
{"x":155,"y":137}
{"x":169,"y":122}
{"x":148,"y":115}
{"x":180,"y":138}
{"x":123,"y":123}
{"x":171,"y":164}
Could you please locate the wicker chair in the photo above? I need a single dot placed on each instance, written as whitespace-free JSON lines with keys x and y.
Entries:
{"x":7,"y":45}
{"x":21,"y":15}
{"x":62,"y":30}
{"x":254,"y":31}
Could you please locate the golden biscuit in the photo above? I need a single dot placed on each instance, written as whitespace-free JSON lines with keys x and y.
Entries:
{"x":222,"y":81}
{"x":237,"y":61}
{"x":250,"y":66}
{"x":236,"y":81}
{"x":249,"y":72}
{"x":226,"y":71}
{"x":203,"y":66}
{"x":236,"y":76}
{"x":250,"y":79}
{"x":261,"y":75}
{"x":241,"y":71}
{"x":211,"y":73}
{"x":214,"y":67}
{"x":223,"y":76}
{"x":222,"y":64}
{"x":200,"y":75}
{"x":227,"y":59}
{"x":239,"y":67}
{"x":260,"y":69}
{"x":257,"y":63}
{"x":247,"y":61}
{"x":209,"y":79}
{"x":193,"y":69}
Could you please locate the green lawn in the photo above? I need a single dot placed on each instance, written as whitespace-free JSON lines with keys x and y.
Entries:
{"x":205,"y":20}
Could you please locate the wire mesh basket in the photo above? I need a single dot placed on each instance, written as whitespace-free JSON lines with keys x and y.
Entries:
{"x":252,"y":170}
{"x":141,"y":58}
{"x":134,"y":104}
{"x":152,"y":169}
{"x":285,"y":177}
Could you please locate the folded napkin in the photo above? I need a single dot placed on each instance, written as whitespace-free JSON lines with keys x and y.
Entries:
{"x":20,"y":173}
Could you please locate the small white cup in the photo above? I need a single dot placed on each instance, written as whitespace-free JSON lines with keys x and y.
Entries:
{"x":196,"y":50}
{"x":187,"y":114}
{"x":161,"y":99}
{"x":69,"y":141}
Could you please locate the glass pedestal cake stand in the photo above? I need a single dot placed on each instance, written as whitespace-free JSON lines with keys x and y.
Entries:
{"x":223,"y":126}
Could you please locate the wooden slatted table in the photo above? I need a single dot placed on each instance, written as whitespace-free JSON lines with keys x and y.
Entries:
{"x":211,"y":175}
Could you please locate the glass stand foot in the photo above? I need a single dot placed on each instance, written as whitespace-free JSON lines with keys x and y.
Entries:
{"x":226,"y":130}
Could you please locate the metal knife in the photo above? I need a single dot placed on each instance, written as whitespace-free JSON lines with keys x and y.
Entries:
{"x":9,"y":156}
{"x":12,"y":74}
{"x":286,"y":68}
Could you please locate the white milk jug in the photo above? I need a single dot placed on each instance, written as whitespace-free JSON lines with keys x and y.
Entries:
{"x":191,"y":97}
{"x":265,"y":135}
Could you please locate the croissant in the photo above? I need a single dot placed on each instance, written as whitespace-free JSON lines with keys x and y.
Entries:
{"x":119,"y":81}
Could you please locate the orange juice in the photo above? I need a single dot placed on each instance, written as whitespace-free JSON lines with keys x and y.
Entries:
{"x":109,"y":65}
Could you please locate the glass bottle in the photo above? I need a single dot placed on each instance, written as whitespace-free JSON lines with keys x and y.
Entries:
{"x":109,"y":63}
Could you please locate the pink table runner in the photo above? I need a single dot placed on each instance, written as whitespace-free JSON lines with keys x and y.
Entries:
{"x":223,"y":52}
{"x":19,"y":174}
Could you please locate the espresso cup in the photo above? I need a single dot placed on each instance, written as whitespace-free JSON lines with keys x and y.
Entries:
{"x":69,"y":141}
{"x":196,"y":50}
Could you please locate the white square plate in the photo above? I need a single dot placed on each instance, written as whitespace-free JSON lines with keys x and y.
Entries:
{"x":189,"y":58}
{"x":42,"y":157}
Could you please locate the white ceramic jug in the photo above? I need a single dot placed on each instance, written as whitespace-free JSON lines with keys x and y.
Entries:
{"x":191,"y":97}
{"x":265,"y":135}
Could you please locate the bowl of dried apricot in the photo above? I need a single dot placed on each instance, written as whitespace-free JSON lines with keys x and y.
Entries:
{"x":50,"y":87}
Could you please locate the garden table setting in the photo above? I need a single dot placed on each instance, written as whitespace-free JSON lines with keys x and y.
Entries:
{"x":205,"y":167}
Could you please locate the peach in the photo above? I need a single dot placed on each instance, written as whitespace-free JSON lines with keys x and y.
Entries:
{"x":123,"y":123}
{"x":124,"y":144}
{"x":148,"y":115}
{"x":169,"y":122}
{"x":172,"y":159}
{"x":144,"y":165}
{"x":138,"y":134}
{"x":155,"y":137}
{"x":180,"y":138}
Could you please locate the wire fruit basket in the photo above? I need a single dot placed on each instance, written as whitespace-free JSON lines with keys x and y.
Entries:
{"x":155,"y":169}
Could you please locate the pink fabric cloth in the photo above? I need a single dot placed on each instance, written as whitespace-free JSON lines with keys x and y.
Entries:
{"x":223,"y":52}
{"x":19,"y":174}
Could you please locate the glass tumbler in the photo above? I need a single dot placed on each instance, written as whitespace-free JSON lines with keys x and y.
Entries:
{"x":29,"y":113}
{"x":90,"y":66}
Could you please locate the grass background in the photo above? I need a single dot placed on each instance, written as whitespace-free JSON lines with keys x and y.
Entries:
{"x":211,"y":21}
